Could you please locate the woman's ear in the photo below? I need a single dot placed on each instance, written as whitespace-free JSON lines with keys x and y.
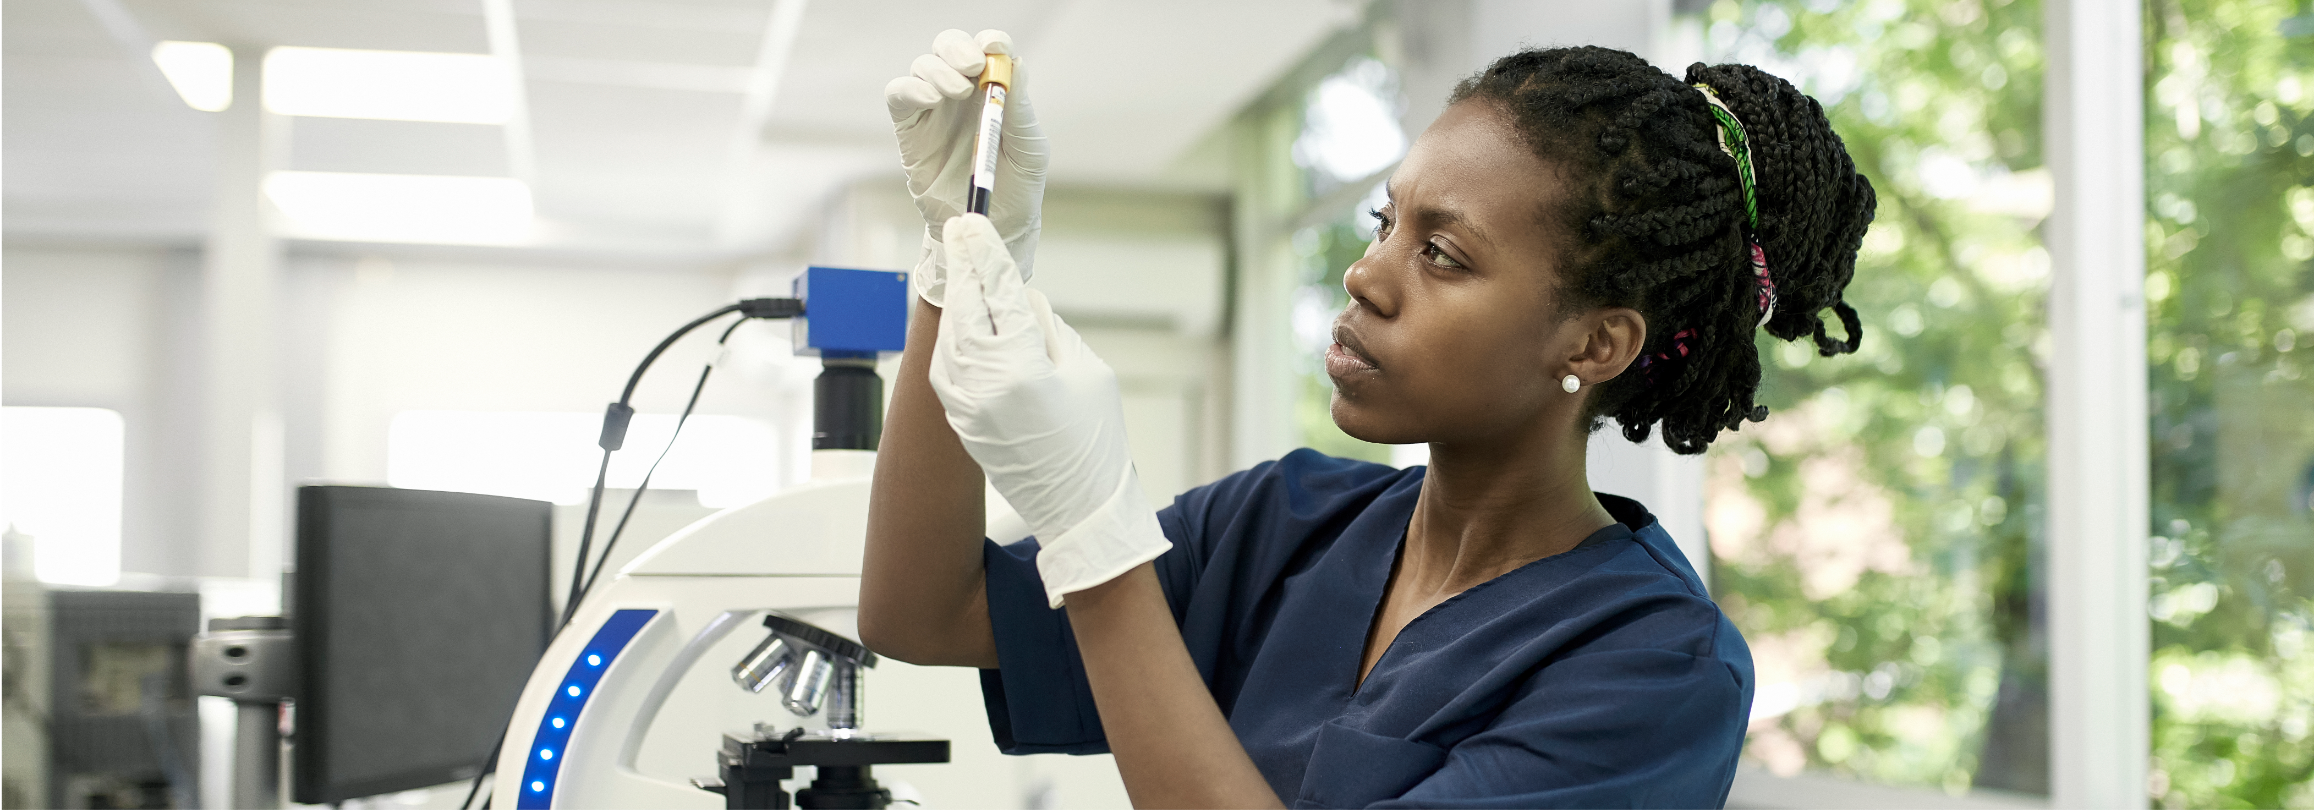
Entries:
{"x":1609,"y":342}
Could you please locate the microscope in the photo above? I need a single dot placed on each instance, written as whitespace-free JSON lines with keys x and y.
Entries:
{"x":642,"y":679}
{"x":815,"y":668}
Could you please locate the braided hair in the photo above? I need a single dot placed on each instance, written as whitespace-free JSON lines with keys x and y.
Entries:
{"x":1660,"y":226}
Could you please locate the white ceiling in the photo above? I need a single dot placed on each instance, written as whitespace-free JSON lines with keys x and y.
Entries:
{"x":634,"y":105}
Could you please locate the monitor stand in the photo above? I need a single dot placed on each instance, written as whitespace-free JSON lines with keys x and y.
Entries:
{"x":250,"y":660}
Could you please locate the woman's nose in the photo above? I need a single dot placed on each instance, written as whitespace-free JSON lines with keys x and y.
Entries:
{"x":1369,"y":284}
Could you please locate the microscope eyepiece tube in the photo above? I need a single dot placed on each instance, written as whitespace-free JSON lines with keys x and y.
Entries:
{"x":812,"y":677}
{"x":764,"y":665}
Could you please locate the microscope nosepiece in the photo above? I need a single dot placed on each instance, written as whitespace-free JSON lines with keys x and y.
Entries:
{"x":763,"y":666}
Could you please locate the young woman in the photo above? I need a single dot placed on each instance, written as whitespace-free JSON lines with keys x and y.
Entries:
{"x":1580,"y":237}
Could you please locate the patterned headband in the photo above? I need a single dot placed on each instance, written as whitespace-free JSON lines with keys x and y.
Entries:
{"x":1736,"y":145}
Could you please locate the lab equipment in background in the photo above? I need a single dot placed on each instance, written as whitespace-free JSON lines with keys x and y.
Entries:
{"x":995,"y":82}
{"x":815,"y":663}
{"x":752,"y":766}
{"x":622,"y":689}
{"x":253,"y":661}
{"x":855,"y":316}
{"x":121,"y":727}
{"x":812,"y":668}
{"x":417,"y":615}
{"x":24,"y":712}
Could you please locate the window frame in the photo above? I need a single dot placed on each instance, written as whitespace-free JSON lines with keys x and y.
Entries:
{"x":2100,"y":706}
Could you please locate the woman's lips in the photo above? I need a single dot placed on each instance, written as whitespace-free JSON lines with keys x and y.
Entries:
{"x":1345,"y":356}
{"x":1341,"y":362}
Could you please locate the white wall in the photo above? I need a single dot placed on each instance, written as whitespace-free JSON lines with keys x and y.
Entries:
{"x":382,"y":335}
{"x":113,"y":327}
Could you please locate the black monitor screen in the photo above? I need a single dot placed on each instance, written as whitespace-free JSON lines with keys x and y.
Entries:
{"x":418,"y":617}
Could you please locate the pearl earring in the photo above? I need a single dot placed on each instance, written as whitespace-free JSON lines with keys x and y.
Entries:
{"x":1571,"y":383}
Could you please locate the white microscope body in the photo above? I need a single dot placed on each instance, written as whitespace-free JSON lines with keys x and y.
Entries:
{"x":632,"y":698}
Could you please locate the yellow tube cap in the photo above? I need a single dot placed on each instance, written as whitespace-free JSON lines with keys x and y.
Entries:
{"x":998,"y":71}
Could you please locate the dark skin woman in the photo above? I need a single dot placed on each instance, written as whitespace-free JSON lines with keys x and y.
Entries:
{"x":1567,"y":244}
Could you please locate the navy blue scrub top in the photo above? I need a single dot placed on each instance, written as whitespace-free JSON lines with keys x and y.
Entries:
{"x":1600,"y":677}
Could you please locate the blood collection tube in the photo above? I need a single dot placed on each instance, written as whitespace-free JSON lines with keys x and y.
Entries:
{"x":995,"y":79}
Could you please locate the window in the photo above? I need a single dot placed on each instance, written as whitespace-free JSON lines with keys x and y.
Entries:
{"x":729,"y":460}
{"x":1885,"y":540}
{"x":1350,"y":138}
{"x":1876,"y":540}
{"x":2229,"y":144}
{"x":62,"y":472}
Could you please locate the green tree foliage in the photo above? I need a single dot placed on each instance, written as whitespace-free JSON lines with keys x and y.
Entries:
{"x":1954,"y":285}
{"x":2230,"y":293}
{"x":1874,"y":538}
{"x":1326,"y":252}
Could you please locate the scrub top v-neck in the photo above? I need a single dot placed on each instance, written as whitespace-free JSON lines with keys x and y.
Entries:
{"x":1602,"y":676}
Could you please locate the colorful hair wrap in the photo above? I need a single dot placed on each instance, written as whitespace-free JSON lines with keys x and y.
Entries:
{"x":1732,"y":141}
{"x":1736,"y":145}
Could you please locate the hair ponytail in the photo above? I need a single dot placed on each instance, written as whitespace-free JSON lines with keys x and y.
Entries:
{"x":1814,"y":206}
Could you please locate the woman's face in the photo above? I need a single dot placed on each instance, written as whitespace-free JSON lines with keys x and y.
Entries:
{"x":1453,"y":333}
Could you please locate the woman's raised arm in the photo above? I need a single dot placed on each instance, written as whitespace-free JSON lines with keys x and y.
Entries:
{"x":923,"y":593}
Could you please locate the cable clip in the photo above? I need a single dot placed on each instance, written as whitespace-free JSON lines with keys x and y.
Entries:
{"x":615,"y":421}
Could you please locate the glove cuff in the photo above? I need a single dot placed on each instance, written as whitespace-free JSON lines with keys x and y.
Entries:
{"x":930,"y":278}
{"x":1023,"y":248}
{"x":1119,"y":535}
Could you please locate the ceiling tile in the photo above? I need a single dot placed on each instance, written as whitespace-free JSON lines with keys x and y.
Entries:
{"x":736,"y":47}
{"x":445,"y":26}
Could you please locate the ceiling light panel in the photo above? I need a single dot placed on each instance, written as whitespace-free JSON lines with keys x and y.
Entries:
{"x":202,"y":72}
{"x":457,"y":88}
{"x":427,"y":209}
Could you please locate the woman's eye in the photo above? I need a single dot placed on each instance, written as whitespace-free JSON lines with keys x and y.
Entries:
{"x":1381,"y":222}
{"x":1438,"y":256}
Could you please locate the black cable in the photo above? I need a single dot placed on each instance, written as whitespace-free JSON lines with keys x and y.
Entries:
{"x":614,"y":436}
{"x":645,"y":486}
{"x":615,"y":420}
{"x":586,"y":536}
{"x":489,"y":766}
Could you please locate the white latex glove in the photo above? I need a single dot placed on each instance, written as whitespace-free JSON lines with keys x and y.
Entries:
{"x":936,"y":113}
{"x":1041,"y":414}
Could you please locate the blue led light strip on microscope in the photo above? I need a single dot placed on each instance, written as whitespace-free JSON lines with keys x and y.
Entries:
{"x":544,"y":759}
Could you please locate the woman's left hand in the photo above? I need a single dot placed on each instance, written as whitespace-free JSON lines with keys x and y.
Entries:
{"x":936,"y":116}
{"x":1041,"y":414}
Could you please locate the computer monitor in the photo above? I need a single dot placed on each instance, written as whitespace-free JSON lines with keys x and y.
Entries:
{"x":418,"y":617}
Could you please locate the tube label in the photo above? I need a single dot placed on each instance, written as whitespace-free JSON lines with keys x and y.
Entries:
{"x":991,"y":128}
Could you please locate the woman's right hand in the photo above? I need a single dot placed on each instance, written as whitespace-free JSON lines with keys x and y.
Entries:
{"x":936,"y":114}
{"x":1041,"y":414}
